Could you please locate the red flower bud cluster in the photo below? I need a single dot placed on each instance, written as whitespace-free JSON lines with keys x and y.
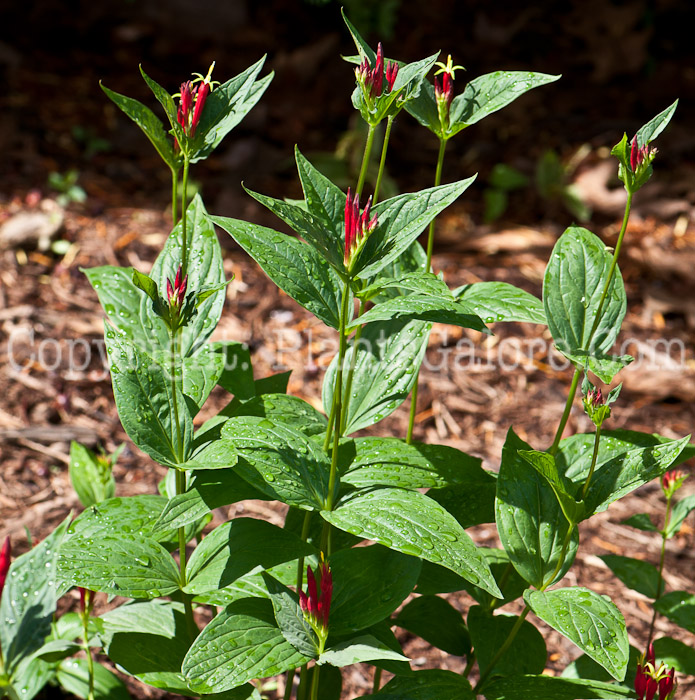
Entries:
{"x":650,"y":679}
{"x":372,"y":79}
{"x":357,"y":225}
{"x":444,"y":89}
{"x":5,"y":560}
{"x":639,"y":155}
{"x":316,"y":605}
{"x":594,"y":397}
{"x":672,"y":481}
{"x":176,"y":292}
{"x":191,"y":102}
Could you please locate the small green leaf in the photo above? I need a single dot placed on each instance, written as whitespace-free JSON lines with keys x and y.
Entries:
{"x":500,"y":301}
{"x":294,"y":266}
{"x":388,"y":355}
{"x":130,"y":567}
{"x":527,"y":653}
{"x":675,"y":654}
{"x":409,"y":522}
{"x":588,"y":620}
{"x":369,"y":583}
{"x":639,"y":575}
{"x":236,"y":548}
{"x":147,"y":285}
{"x":437,"y":622}
{"x":91,"y":477}
{"x":549,"y":688}
{"x":359,"y":650}
{"x":647,"y":133}
{"x":279,"y":461}
{"x":74,"y":677}
{"x":572,"y":289}
{"x":641,"y":521}
{"x":253,"y":647}
{"x":680,"y":512}
{"x":679,"y":607}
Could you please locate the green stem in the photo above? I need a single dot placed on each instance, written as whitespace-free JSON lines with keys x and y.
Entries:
{"x":437,"y":182}
{"x":174,"y":194}
{"x":377,"y":680}
{"x":353,"y":364}
{"x":594,"y":457}
{"x":382,"y":162}
{"x":184,"y":235}
{"x":428,"y":268}
{"x":174,"y":335}
{"x":566,"y":413}
{"x":301,"y":691}
{"x":503,"y":649}
{"x":187,"y":605}
{"x":315,"y":683}
{"x":365,"y":159}
{"x":84,"y":614}
{"x":469,"y":664}
{"x":561,"y":560}
{"x":660,"y":584}
{"x":606,"y":287}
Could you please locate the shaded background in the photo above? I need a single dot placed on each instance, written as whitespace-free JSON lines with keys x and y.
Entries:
{"x":622,"y":62}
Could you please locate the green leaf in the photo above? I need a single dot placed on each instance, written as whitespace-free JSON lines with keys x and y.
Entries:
{"x":149,"y":641}
{"x":369,"y":583}
{"x":73,"y":676}
{"x":471,"y":502}
{"x":641,"y":521}
{"x":282,"y":408}
{"x":675,"y":654}
{"x":491,"y":92}
{"x":412,"y":523}
{"x":145,"y":402}
{"x":584,"y":667}
{"x":226,"y":106}
{"x":572,"y":288}
{"x":201,"y":373}
{"x":605,"y":367}
{"x":589,"y":620}
{"x":437,"y":622}
{"x":150,"y":124}
{"x":359,"y":650}
{"x":30,"y":677}
{"x":647,"y":133}
{"x":331,"y":681}
{"x":91,"y":478}
{"x":574,"y":456}
{"x":544,"y":464}
{"x":679,"y":607}
{"x":216,"y":454}
{"x":57,"y":649}
{"x":362,"y":46}
{"x":500,"y":301}
{"x":680,"y":512}
{"x":147,"y":285}
{"x":527,"y":653}
{"x":423,"y":308}
{"x":279,"y":461}
{"x":388,"y":356}
{"x":29,"y":600}
{"x":121,"y":301}
{"x":424,"y":109}
{"x":530,"y":521}
{"x":237,"y":375}
{"x":205,"y":269}
{"x":294,"y":266}
{"x":639,"y":575}
{"x":236,"y":548}
{"x":252,"y":647}
{"x":400,"y":220}
{"x":167,"y":101}
{"x":290,"y":618}
{"x":383,"y":461}
{"x":549,"y":688}
{"x":130,"y":567}
{"x":427,"y":685}
{"x":624,"y":473}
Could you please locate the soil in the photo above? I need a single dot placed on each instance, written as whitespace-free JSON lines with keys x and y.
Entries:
{"x":621,"y":63}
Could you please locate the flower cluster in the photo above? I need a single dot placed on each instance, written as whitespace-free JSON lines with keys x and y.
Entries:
{"x":316,"y":604}
{"x":5,"y":560}
{"x":595,"y":406}
{"x":176,"y":292}
{"x":357,"y":226}
{"x":672,"y":481}
{"x":371,"y":80}
{"x":640,"y":155}
{"x":444,"y":88}
{"x":650,"y":678}
{"x":191,"y":102}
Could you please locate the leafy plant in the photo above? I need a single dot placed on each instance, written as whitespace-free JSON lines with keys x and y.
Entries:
{"x":360,"y":270}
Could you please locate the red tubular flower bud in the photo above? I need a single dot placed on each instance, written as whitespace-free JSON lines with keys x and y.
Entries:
{"x":5,"y":561}
{"x":316,"y":602}
{"x":666,"y":685}
{"x":378,"y":73}
{"x":326,"y":592}
{"x":185,"y":105}
{"x":357,"y":225}
{"x":391,"y":73}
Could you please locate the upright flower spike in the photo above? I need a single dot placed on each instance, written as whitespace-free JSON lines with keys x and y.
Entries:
{"x":357,"y":226}
{"x":650,"y":678}
{"x":371,"y":80}
{"x":192,"y":100}
{"x":316,"y":602}
{"x":5,"y":561}
{"x":672,"y":481}
{"x":638,"y":155}
{"x":176,"y":292}
{"x":444,"y":88}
